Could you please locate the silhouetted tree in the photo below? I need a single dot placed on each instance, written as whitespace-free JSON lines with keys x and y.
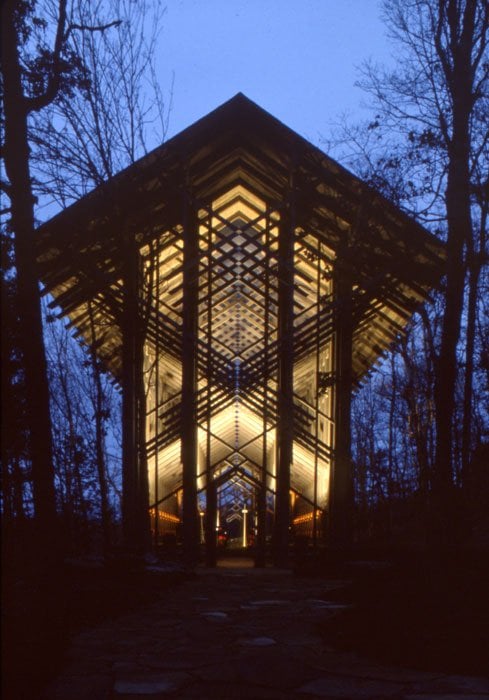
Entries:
{"x":13,"y":425}
{"x":28,"y":85}
{"x":82,"y":141}
{"x":119,"y":113}
{"x":77,"y":110}
{"x":427,"y":149}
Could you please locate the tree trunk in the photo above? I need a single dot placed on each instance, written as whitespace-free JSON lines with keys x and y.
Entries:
{"x":457,"y":198}
{"x":475,"y":264}
{"x":99,"y":442}
{"x":37,"y":391}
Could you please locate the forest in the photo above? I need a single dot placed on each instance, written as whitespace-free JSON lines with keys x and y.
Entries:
{"x":81,"y":101}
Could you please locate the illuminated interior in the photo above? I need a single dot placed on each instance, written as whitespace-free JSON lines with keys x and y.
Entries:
{"x":237,"y":359}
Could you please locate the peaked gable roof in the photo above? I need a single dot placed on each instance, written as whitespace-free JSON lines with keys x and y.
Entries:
{"x":240,"y":144}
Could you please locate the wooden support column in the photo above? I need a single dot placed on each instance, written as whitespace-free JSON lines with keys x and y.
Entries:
{"x":261,"y":534}
{"x":317,"y":399}
{"x":130,"y":357}
{"x":210,"y":524}
{"x":189,"y":383}
{"x":340,"y":528}
{"x":211,"y":489}
{"x":285,"y":406}
{"x":143,"y":517}
{"x":157,"y":404}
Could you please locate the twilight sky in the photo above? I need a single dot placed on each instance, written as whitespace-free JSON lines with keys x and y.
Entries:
{"x":295,"y":58}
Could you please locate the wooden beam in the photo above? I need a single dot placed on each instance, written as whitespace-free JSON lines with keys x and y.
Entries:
{"x":285,"y":404}
{"x":261,"y":540}
{"x":189,"y":382}
{"x":340,"y":528}
{"x":130,"y":356}
{"x":211,"y":488}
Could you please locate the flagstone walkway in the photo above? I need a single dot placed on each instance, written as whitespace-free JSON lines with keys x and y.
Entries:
{"x":237,"y":632}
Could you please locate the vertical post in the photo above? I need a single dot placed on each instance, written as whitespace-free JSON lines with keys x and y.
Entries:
{"x":245,"y":527}
{"x":211,"y":524}
{"x":261,"y":534}
{"x":189,"y":383}
{"x":130,"y":356}
{"x":211,"y":492}
{"x":157,"y":402}
{"x":202,"y":528}
{"x":341,"y":480}
{"x":144,"y":525}
{"x":285,"y":404}
{"x":317,"y":402}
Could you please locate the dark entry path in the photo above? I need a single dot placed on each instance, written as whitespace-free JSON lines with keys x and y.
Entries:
{"x":237,"y":632}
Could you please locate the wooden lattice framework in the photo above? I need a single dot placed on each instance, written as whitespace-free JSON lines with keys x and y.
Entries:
{"x":242,"y":282}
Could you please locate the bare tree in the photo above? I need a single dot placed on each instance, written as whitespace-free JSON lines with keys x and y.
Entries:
{"x":89,"y":104}
{"x":18,"y":105}
{"x":427,"y":148}
{"x":83,"y":398}
{"x":13,"y":427}
{"x":51,"y":62}
{"x":82,"y":141}
{"x":118,"y":114}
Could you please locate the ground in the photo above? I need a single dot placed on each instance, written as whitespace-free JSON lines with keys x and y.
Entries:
{"x":368,"y":630}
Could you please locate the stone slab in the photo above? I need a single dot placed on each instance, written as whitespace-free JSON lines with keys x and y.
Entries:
{"x":351,"y":688}
{"x":451,"y":696}
{"x":150,"y":684}
{"x":258,"y":642}
{"x":215,"y":615}
{"x":454,"y":684}
{"x":93,"y":687}
{"x":269,"y":603}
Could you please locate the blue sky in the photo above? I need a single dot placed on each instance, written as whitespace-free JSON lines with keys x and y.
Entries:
{"x":296,"y":58}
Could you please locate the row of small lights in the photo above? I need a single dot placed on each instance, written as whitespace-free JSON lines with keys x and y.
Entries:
{"x":163,"y":515}
{"x":306,"y":518}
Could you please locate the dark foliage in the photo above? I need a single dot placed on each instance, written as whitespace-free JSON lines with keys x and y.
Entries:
{"x":41,"y":615}
{"x":417,"y":611}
